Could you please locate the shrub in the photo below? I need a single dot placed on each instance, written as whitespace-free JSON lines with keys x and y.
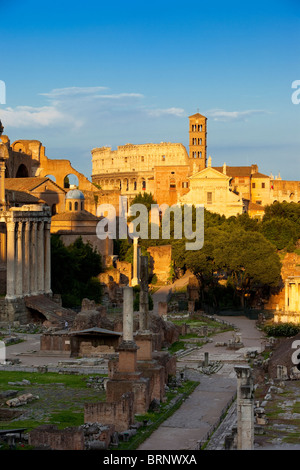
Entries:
{"x":283,"y":329}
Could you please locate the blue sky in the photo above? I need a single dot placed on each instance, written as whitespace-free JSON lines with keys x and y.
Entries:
{"x":91,"y":74}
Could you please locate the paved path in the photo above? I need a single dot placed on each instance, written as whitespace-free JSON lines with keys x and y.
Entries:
{"x":194,"y":419}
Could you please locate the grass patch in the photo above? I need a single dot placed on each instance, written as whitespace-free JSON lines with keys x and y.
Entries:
{"x":292,"y":438}
{"x":64,"y":419}
{"x":176,"y":347}
{"x":61,"y":399}
{"x":28,"y":424}
{"x":296,"y":407}
{"x":68,"y":380}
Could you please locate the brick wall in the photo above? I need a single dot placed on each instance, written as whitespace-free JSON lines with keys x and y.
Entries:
{"x":118,"y":413}
{"x":50,"y":436}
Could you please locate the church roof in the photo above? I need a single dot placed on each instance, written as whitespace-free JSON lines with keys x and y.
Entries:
{"x":197,"y":115}
{"x":20,"y":197}
{"x":27,"y":184}
{"x":74,"y":194}
{"x":253,"y":206}
{"x":75,"y":216}
{"x":259,"y":175}
{"x":235,"y":170}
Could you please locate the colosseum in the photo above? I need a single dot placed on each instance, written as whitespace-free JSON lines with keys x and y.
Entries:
{"x":161,"y":169}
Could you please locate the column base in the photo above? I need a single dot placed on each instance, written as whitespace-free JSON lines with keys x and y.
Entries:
{"x":11,"y":297}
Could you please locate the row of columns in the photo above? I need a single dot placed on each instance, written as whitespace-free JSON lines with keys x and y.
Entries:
{"x":28,"y":258}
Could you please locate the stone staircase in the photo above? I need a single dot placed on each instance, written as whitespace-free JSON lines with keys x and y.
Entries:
{"x":53,"y":312}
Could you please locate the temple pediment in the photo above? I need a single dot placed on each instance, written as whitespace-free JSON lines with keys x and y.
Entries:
{"x":209,"y":173}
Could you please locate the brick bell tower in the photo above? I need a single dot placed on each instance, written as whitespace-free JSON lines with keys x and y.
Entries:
{"x":197,"y":148}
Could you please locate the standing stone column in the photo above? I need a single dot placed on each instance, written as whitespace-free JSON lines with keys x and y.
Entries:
{"x":33,"y":259}
{"x":47,"y":266}
{"x":11,"y":251}
{"x":144,"y":300}
{"x":3,"y":247}
{"x":128,"y":348}
{"x":2,"y":184}
{"x":19,"y":260}
{"x":287,"y":286}
{"x":127,"y":314}
{"x":245,"y":408}
{"x":26,"y":267}
{"x":40,"y":258}
{"x":135,"y":277}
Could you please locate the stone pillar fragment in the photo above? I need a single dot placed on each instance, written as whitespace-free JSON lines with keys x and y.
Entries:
{"x":245,"y":408}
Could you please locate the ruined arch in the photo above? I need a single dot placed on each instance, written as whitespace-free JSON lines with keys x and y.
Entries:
{"x":71,"y":181}
{"x":22,"y":171}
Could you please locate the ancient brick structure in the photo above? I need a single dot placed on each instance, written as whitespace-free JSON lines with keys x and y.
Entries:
{"x":121,"y":412}
{"x":160,"y":261}
{"x":50,"y":437}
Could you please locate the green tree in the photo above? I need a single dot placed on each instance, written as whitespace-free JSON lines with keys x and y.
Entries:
{"x":146,"y":199}
{"x":74,"y":271}
{"x":280,"y":231}
{"x":246,"y":259}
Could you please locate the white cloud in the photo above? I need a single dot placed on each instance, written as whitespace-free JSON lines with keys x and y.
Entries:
{"x":179,"y":112}
{"x":82,"y":107}
{"x":73,"y":91}
{"x":27,"y":116}
{"x":120,"y":96}
{"x":226,"y":116}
